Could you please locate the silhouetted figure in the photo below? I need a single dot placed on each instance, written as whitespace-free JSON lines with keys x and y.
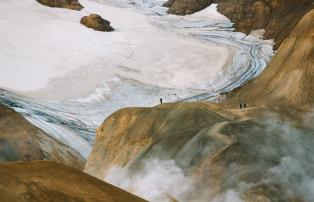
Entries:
{"x":240,"y":105}
{"x":160,"y":100}
{"x":244,"y":105}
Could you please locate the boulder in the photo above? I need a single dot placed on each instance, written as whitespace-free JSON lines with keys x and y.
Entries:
{"x":69,"y":4}
{"x":186,"y":7}
{"x":97,"y":23}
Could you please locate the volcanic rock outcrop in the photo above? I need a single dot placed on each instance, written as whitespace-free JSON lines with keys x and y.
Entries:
{"x":216,"y":147}
{"x":289,"y":77}
{"x":186,"y":7}
{"x":21,"y":141}
{"x":69,"y":4}
{"x":97,"y":23}
{"x":50,"y":181}
{"x":277,"y":17}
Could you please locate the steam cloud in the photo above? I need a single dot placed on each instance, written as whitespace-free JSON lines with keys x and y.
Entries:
{"x":163,"y":181}
{"x":158,"y":181}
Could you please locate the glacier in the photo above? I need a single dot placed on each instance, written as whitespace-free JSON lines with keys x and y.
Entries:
{"x":66,"y":79}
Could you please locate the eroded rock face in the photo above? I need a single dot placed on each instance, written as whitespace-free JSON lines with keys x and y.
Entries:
{"x":50,"y":181}
{"x":289,"y":77}
{"x":69,"y":4}
{"x":241,"y":150}
{"x":21,"y":141}
{"x":96,"y":22}
{"x":277,"y":17}
{"x":186,"y":7}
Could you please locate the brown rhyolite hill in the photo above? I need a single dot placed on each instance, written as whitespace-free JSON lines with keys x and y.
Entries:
{"x":21,"y":141}
{"x":289,"y":77}
{"x":128,"y":132}
{"x":97,"y":23}
{"x":69,"y":4}
{"x":50,"y":181}
{"x":277,"y":17}
{"x":217,"y":147}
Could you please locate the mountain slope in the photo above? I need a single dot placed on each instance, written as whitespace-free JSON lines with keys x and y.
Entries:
{"x":21,"y":141}
{"x":124,"y":135}
{"x":289,"y":77}
{"x":200,"y":152}
{"x":49,"y":181}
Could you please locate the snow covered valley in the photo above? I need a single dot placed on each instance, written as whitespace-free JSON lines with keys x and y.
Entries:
{"x":66,"y":79}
